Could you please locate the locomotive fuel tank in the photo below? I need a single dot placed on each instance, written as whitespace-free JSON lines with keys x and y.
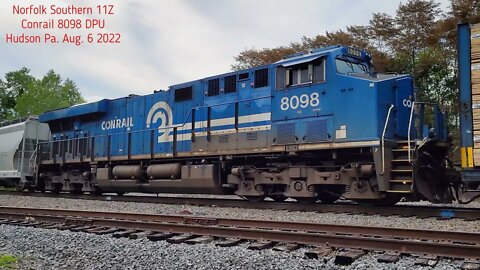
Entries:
{"x":162,"y":178}
{"x":128,"y":172}
{"x":164,"y":171}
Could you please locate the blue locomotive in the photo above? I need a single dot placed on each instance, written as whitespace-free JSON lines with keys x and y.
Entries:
{"x":314,"y":126}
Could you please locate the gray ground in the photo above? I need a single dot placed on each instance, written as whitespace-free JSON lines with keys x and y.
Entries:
{"x":52,"y":249}
{"x":346,"y":219}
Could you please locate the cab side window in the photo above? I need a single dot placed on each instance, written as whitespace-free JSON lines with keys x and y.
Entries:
{"x":303,"y":73}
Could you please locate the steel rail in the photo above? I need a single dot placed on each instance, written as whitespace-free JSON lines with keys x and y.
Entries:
{"x":341,"y":207}
{"x":439,"y":243}
{"x":285,"y":225}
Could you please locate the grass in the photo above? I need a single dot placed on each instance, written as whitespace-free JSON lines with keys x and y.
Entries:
{"x":8,"y":262}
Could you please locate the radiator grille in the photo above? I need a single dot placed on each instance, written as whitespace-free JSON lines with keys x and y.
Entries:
{"x":223,"y":139}
{"x":286,"y":133}
{"x":251,"y":136}
{"x":317,"y":131}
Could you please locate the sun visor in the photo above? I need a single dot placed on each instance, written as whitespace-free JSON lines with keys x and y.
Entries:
{"x":293,"y":62}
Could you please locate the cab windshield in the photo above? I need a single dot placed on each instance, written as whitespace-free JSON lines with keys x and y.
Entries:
{"x":346,"y":66}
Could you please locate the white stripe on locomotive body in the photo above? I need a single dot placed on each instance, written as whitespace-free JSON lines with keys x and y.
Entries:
{"x":188,"y":136}
{"x":245,"y":119}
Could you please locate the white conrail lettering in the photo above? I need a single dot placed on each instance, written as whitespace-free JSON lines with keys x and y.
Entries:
{"x":117,"y":123}
{"x":407,"y":103}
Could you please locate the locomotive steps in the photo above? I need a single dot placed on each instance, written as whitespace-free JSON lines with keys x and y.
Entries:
{"x":402,"y":170}
{"x":284,"y":236}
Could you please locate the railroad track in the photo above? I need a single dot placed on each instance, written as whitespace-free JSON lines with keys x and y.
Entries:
{"x":348,"y":242}
{"x":341,"y":207}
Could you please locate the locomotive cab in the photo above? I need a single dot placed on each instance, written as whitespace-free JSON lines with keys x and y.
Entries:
{"x":356,"y":106}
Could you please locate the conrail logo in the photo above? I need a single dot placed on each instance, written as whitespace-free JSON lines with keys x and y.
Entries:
{"x":117,"y":123}
{"x":160,"y":114}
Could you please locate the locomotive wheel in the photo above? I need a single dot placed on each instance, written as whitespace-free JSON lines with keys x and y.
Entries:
{"x":97,"y":191}
{"x":77,"y":189}
{"x":18,"y":186}
{"x":56,"y":189}
{"x":254,"y":198}
{"x":278,"y":198}
{"x":387,"y":201}
{"x":40,"y":187}
{"x":328,"y":199}
{"x":305,"y":200}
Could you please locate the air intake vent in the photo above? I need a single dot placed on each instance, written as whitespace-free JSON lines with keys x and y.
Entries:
{"x":317,"y":131}
{"x":286,"y":133}
{"x":251,"y":136}
{"x":223,"y":139}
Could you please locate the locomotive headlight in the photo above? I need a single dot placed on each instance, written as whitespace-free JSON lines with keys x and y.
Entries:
{"x":354,"y":52}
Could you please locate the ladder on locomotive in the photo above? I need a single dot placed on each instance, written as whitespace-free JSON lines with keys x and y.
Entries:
{"x":401,"y":174}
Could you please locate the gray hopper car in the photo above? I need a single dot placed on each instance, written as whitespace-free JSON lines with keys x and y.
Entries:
{"x":18,"y":143}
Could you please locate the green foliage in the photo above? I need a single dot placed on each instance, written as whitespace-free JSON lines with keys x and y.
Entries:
{"x":21,"y":94}
{"x":8,"y":262}
{"x":16,"y":83}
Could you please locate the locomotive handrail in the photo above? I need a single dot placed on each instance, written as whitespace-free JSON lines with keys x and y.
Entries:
{"x":226,"y":103}
{"x":409,"y":131}
{"x":34,"y":154}
{"x":173,"y":126}
{"x":383,"y":137}
{"x":179,"y":125}
{"x":410,"y":126}
{"x":161,"y":128}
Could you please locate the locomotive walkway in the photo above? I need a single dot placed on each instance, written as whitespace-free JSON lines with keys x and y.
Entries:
{"x":354,"y":241}
{"x":339,"y":207}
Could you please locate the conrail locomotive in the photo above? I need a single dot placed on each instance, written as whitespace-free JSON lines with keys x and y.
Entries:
{"x":313,"y":127}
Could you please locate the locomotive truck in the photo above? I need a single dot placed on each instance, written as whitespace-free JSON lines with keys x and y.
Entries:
{"x":313,"y":126}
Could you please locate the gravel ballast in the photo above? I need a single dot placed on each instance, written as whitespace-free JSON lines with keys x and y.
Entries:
{"x":53,"y":249}
{"x":280,"y":215}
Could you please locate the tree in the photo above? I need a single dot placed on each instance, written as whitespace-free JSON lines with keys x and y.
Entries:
{"x":465,"y":10}
{"x":15,"y":84}
{"x":416,"y":23}
{"x":21,"y":94}
{"x":254,"y":57}
{"x":381,"y":31}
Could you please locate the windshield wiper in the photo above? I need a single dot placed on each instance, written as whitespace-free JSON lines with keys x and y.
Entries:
{"x":349,"y":64}
{"x":364,"y":68}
